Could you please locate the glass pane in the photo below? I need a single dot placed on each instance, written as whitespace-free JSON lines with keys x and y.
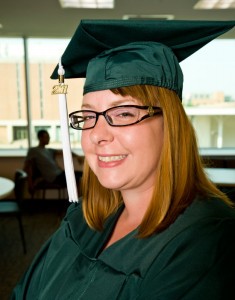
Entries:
{"x":13,"y":123}
{"x":43,"y":55}
{"x":209,"y":94}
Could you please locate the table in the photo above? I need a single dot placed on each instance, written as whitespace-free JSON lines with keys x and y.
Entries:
{"x":221,"y":176}
{"x":217,"y":152}
{"x":6,"y":187}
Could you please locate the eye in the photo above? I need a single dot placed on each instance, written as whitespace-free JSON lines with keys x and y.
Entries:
{"x":85,"y":116}
{"x":88,"y":117}
{"x":124,"y":113}
{"x":82,"y":117}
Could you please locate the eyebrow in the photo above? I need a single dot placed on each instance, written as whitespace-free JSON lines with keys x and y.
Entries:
{"x":114,"y":103}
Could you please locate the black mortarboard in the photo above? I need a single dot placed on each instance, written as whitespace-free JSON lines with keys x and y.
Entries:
{"x":115,"y":53}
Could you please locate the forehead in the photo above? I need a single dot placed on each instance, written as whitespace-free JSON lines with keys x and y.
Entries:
{"x":106,"y":99}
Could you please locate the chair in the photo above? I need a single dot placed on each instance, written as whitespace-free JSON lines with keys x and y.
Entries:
{"x":45,"y":186}
{"x":37,"y":183}
{"x":12,"y":207}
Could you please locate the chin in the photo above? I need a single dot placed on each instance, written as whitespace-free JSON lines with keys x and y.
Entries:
{"x":110,"y":185}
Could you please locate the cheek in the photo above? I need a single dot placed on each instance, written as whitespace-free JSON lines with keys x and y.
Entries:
{"x":85,"y":141}
{"x":156,"y":137}
{"x":154,"y":131}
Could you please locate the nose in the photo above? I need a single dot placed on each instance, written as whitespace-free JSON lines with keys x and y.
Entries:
{"x":102,"y":132}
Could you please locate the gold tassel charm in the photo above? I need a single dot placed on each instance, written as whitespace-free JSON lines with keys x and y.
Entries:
{"x":60,"y":88}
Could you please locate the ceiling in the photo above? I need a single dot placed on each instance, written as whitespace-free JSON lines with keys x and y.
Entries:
{"x":46,"y":18}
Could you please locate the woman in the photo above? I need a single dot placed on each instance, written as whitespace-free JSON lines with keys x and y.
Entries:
{"x":168,"y":160}
{"x":150,"y":225}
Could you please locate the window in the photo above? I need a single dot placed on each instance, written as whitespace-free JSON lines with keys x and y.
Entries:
{"x":20,"y":133}
{"x":44,"y":54}
{"x":13,"y":116}
{"x":208,"y":95}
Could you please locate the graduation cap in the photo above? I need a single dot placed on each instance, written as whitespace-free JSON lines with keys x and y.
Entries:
{"x":116,"y":53}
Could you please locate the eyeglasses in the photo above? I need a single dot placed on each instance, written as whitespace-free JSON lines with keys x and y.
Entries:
{"x":117,"y":116}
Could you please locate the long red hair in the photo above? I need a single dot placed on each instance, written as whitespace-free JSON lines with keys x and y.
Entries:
{"x":180,"y":175}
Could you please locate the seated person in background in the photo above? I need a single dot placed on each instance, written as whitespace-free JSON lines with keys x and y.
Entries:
{"x":44,"y":161}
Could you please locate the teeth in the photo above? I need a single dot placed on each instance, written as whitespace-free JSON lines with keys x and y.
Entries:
{"x":111,"y":158}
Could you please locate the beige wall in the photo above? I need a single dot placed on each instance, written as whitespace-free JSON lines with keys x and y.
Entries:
{"x":13,"y":103}
{"x":8,"y":165}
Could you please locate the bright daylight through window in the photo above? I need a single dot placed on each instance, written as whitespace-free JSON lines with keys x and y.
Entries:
{"x":208,"y":95}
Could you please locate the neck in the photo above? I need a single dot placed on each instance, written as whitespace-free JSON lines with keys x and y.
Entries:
{"x":136,"y":205}
{"x":41,"y":145}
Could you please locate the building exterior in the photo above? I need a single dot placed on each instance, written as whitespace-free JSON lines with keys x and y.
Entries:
{"x":28,"y":105}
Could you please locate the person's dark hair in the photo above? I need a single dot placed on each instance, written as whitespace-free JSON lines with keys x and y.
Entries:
{"x":41,"y":132}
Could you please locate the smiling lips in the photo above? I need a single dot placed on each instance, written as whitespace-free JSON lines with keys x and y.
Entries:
{"x":111,"y":158}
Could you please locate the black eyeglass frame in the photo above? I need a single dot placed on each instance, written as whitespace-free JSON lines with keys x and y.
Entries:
{"x":151,"y":113}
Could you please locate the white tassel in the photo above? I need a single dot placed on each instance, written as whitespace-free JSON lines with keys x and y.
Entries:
{"x":67,"y":153}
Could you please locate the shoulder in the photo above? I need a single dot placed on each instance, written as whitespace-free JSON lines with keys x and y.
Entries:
{"x":55,"y":151}
{"x":75,"y":220}
{"x":209,"y":209}
{"x":202,"y":234}
{"x":198,"y":248}
{"x":206,"y":223}
{"x":206,"y":231}
{"x":74,"y":209}
{"x":209,"y":219}
{"x":32,"y":151}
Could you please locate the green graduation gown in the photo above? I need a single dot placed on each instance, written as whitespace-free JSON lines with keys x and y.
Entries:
{"x":193,"y":259}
